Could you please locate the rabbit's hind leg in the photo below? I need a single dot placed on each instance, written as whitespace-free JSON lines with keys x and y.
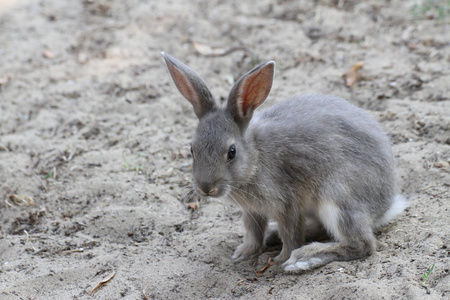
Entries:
{"x":352,"y":235}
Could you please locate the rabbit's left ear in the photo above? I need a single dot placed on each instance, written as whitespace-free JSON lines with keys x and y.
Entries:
{"x":191,"y":86}
{"x":250,"y":91}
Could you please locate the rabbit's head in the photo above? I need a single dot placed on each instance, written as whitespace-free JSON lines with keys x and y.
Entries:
{"x":222,"y":155}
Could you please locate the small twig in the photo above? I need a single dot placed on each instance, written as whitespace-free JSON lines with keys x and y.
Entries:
{"x":37,"y":251}
{"x":71,"y":155}
{"x":428,"y":187}
{"x":102,"y":282}
{"x":73,"y":251}
{"x":28,"y":236}
{"x":437,"y":194}
{"x":270,"y":263}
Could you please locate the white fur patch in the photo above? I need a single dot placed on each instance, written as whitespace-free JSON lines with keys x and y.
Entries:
{"x":314,"y":261}
{"x":398,"y":205}
{"x":298,"y":266}
{"x":329,"y":215}
{"x":303,"y":265}
{"x":272,"y":226}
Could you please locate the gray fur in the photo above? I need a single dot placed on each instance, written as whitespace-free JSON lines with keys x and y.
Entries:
{"x":311,"y":159}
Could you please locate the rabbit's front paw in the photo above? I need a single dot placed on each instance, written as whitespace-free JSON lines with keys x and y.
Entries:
{"x":245,"y":251}
{"x":282,"y":257}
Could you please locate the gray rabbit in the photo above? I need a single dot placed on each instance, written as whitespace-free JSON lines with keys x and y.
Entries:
{"x":311,"y":164}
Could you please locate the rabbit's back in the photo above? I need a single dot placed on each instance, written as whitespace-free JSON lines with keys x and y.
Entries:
{"x":319,"y":117}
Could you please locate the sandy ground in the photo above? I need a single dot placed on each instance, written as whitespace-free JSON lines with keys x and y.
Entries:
{"x":95,"y":176}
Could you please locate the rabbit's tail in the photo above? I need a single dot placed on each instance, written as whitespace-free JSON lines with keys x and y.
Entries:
{"x":399,"y":203}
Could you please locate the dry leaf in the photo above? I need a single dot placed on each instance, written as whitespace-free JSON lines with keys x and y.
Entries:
{"x":102,"y":282}
{"x":428,"y":43}
{"x":441,"y":164}
{"x":411,"y":47}
{"x":210,"y":51}
{"x":4,"y":80}
{"x":192,"y":206}
{"x":270,"y":263}
{"x":352,"y":76}
{"x":48,"y":54}
{"x":207,"y":50}
{"x":21,"y":200}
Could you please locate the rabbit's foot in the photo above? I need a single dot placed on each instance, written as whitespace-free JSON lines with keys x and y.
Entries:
{"x":318,"y":254}
{"x":282,"y":257}
{"x":245,"y":251}
{"x":296,"y":266}
{"x":310,"y":257}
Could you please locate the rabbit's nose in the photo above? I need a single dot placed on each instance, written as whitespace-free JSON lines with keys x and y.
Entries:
{"x":207,"y":189}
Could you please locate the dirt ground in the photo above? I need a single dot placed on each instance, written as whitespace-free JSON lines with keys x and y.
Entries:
{"x":95,"y":174}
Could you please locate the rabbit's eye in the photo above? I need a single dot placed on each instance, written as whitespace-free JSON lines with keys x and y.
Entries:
{"x":231,"y":152}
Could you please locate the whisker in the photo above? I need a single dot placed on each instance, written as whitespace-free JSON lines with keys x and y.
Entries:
{"x":258,"y":200}
{"x":234,"y":200}
{"x":231,"y":196}
{"x":262,"y":186}
{"x":243,"y":200}
{"x":181,"y":143}
{"x":250,"y":194}
{"x":188,"y":196}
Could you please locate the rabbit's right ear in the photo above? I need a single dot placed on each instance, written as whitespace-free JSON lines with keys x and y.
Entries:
{"x":191,"y":86}
{"x":249,"y":92}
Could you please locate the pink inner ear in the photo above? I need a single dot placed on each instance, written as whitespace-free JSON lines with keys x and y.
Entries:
{"x":255,"y":90}
{"x":183,"y":84}
{"x":248,"y":91}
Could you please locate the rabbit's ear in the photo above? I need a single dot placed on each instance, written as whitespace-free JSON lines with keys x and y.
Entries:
{"x":191,"y":86}
{"x":250,"y":91}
